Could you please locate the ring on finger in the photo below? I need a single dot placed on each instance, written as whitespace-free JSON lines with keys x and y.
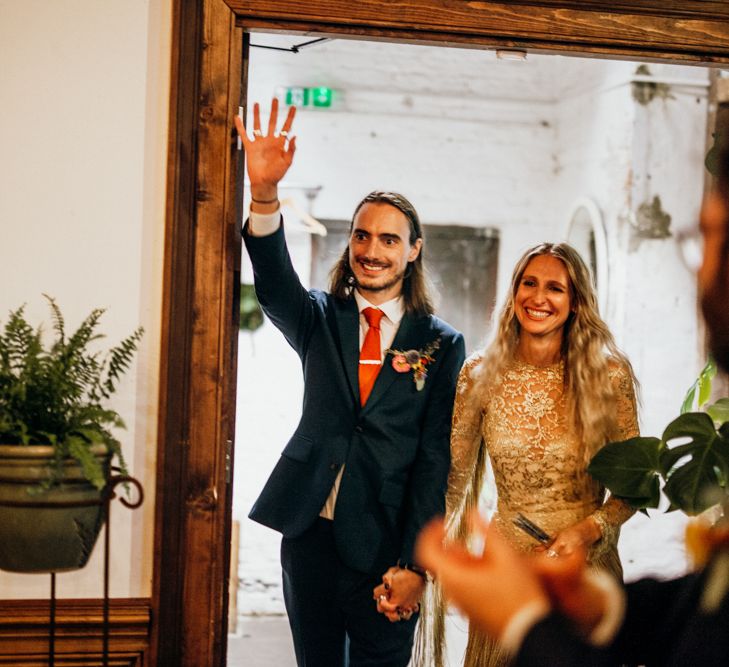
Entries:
{"x":551,"y":553}
{"x":284,"y":134}
{"x":257,"y":133}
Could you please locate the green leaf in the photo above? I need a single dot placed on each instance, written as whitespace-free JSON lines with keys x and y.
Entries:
{"x":705,"y":378}
{"x":629,"y":469}
{"x":719,"y":411}
{"x":79,"y":450}
{"x":55,"y":394}
{"x":702,"y":385}
{"x":92,"y":435}
{"x":251,"y":314}
{"x":696,"y":467}
{"x":688,"y":401}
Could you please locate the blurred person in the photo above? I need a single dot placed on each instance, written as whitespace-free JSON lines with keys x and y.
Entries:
{"x":367,"y":466}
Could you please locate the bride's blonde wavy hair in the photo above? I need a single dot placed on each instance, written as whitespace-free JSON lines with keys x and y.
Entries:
{"x":588,"y":350}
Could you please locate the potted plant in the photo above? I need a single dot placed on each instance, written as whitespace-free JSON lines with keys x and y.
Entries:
{"x":57,"y":444}
{"x":688,"y":464}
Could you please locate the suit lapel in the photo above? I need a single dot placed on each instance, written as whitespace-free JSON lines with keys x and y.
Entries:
{"x":409,"y":336}
{"x":347,"y":317}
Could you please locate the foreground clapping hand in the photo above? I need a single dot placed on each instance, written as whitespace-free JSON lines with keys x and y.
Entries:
{"x":489,"y":588}
{"x":492,"y":587}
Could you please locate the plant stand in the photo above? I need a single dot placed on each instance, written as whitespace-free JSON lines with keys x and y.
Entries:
{"x":105,"y":501}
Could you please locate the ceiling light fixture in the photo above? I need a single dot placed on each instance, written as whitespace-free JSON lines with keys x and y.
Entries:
{"x":510,"y":54}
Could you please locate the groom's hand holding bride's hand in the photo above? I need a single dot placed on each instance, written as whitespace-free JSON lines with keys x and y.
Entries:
{"x":398,"y":596}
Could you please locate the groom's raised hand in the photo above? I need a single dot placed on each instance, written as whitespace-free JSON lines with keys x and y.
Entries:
{"x":268,"y":155}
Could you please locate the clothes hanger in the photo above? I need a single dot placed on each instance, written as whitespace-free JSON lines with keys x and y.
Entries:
{"x":312,"y":225}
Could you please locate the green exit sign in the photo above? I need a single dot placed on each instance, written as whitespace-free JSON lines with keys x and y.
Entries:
{"x":321,"y":96}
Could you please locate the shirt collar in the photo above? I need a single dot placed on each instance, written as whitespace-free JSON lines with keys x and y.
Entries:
{"x":393,"y":308}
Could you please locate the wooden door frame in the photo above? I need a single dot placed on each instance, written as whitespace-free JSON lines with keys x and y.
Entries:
{"x":202,"y":248}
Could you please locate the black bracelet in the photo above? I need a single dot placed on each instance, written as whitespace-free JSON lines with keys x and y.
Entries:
{"x":421,"y":572}
{"x":264,"y":201}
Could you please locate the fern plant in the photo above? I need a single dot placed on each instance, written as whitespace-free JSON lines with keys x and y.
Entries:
{"x":55,"y":393}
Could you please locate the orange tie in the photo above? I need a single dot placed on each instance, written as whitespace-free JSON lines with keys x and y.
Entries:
{"x":370,"y":356}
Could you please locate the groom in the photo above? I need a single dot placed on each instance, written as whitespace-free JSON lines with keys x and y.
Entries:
{"x":368,"y":463}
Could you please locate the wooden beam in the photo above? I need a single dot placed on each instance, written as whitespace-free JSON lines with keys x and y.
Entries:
{"x":24,"y":632}
{"x":213,"y":359}
{"x":199,"y":350}
{"x":691,"y":9}
{"x":628,"y":29}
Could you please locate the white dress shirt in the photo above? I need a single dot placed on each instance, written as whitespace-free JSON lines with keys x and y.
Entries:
{"x":389,"y":323}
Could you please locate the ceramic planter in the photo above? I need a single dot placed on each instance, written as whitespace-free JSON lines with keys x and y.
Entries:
{"x":47,"y":531}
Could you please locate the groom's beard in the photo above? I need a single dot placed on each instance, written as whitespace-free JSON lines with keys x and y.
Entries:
{"x":374,"y":286}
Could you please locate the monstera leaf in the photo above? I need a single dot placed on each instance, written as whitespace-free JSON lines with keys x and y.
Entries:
{"x":697,"y":464}
{"x":691,"y":459}
{"x":690,"y":463}
{"x":630,"y":469}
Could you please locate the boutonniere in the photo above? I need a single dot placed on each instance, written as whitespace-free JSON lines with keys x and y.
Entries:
{"x":415,"y":360}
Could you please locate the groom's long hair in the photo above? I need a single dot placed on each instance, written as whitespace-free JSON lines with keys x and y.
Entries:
{"x":416,"y":288}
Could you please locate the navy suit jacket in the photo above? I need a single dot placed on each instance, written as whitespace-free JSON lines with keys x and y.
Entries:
{"x":663,"y":627}
{"x":395,"y":449}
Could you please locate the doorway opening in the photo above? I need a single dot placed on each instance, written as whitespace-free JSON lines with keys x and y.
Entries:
{"x":493,"y":152}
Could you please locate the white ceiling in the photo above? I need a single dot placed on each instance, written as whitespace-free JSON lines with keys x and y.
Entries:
{"x":425,"y":70}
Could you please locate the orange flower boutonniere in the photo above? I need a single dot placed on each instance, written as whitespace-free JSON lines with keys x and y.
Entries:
{"x":415,"y":361}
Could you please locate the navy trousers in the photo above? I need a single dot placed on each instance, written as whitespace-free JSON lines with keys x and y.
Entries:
{"x":333,"y":616}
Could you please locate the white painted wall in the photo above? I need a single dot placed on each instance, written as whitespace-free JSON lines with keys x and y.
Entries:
{"x":84,"y":86}
{"x":619,"y":153}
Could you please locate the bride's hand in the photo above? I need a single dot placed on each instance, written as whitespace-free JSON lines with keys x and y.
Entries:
{"x":577,"y":537}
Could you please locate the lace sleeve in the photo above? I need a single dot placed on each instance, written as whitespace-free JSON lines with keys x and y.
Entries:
{"x":466,"y":439}
{"x":615,"y":512}
{"x":626,"y":408}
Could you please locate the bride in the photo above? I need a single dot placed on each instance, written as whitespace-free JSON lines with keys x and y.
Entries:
{"x":545,"y":395}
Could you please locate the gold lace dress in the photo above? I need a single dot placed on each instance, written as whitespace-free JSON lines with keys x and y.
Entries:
{"x":537,"y":461}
